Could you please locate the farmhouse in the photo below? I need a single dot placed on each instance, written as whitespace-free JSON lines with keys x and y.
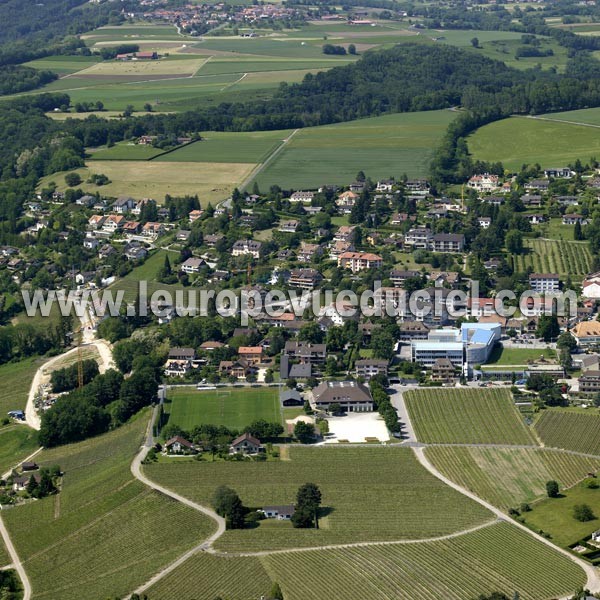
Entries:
{"x":179,"y":445}
{"x":350,"y":395}
{"x":281,"y":513}
{"x":245,"y":444}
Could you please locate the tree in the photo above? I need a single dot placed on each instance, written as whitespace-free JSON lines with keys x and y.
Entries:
{"x":335,"y":408}
{"x":352,"y":49}
{"x":475,"y":42}
{"x":548,"y":327}
{"x":275,"y":593}
{"x":566,"y":342}
{"x":382,"y":344}
{"x":72,"y":179}
{"x":514,"y":242}
{"x":552,"y":489}
{"x":308,"y":501}
{"x":228,"y":505}
{"x":583,"y":513}
{"x":304,"y":432}
{"x":577,"y":233}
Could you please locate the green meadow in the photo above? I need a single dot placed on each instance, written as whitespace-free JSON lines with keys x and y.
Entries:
{"x":521,"y":140}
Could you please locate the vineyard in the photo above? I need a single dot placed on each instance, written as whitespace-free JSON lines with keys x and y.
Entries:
{"x":411,"y":503}
{"x":105,"y":533}
{"x":555,"y":256}
{"x":469,"y":416}
{"x":571,"y":431}
{"x":495,"y":558}
{"x":207,"y":577}
{"x":507,"y":477}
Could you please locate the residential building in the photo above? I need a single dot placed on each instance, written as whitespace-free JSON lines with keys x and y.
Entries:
{"x":573,"y":219}
{"x":350,"y":395}
{"x":591,"y":286}
{"x":447,"y":242}
{"x":123,"y":204}
{"x":304,"y":279}
{"x":484,"y":182}
{"x":398,"y":277}
{"x":179,"y":445}
{"x":302,"y":197}
{"x":153,"y":230}
{"x":113,"y":223}
{"x":346,"y":201}
{"x":484,"y":222}
{"x":192,"y":265}
{"x":281,"y":513}
{"x":309,"y":251}
{"x":289,"y":226}
{"x":251,"y":354}
{"x":418,"y":237}
{"x":544,"y":283}
{"x":305,"y":352}
{"x":443,"y":371}
{"x":417,"y":187}
{"x":385,"y":185}
{"x":589,"y":382}
{"x":245,"y":444}
{"x":242,"y":247}
{"x":358,"y":261}
{"x":587,"y":333}
{"x":369,"y":367}
{"x":560,"y":173}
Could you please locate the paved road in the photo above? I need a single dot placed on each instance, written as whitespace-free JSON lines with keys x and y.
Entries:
{"x":397,"y":400}
{"x":16,"y":561}
{"x":593,"y":580}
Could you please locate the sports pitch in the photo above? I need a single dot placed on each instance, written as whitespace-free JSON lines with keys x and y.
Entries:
{"x":232,"y":407}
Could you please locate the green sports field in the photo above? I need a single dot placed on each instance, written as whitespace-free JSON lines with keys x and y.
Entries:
{"x":469,"y":416}
{"x":380,"y":146}
{"x":525,"y":140}
{"x":410,"y":502}
{"x":230,"y":406}
{"x":518,"y":356}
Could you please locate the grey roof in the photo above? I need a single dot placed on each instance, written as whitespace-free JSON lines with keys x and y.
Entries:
{"x":328,"y":392}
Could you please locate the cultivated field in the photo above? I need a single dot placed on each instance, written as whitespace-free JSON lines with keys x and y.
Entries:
{"x":144,"y":68}
{"x":472,"y":416}
{"x":411,"y":503}
{"x":153,"y":179}
{"x":517,"y":141}
{"x":496,"y":558}
{"x":571,"y":431}
{"x":63,"y":65}
{"x":506,"y":477}
{"x":380,"y":146}
{"x":16,"y":443}
{"x":588,"y":116}
{"x":16,"y":380}
{"x":215,"y":146}
{"x":105,"y":533}
{"x":207,"y":577}
{"x":555,"y":256}
{"x":233,"y":407}
{"x":125,"y":151}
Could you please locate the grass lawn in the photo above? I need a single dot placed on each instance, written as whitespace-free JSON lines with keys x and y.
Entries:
{"x":508,"y":476}
{"x":216,"y":146}
{"x":552,"y":256}
{"x":380,"y":146}
{"x":16,"y":443}
{"x":233,"y":407}
{"x":590,"y":116}
{"x":410,"y":502}
{"x":570,"y":430}
{"x":519,"y":140}
{"x":555,"y":515}
{"x":63,"y":65}
{"x":555,"y":230}
{"x":16,"y":380}
{"x":518,"y":356}
{"x":496,"y":558}
{"x":153,"y":179}
{"x":105,"y":533}
{"x":470,"y":416}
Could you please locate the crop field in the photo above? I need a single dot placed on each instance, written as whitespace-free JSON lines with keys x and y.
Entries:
{"x":555,"y":256}
{"x":207,"y":577}
{"x":216,"y":146}
{"x":508,"y":476}
{"x":133,"y":34}
{"x":571,"y":431}
{"x":221,"y":65}
{"x":125,"y":151}
{"x":16,"y":380}
{"x":411,"y":503}
{"x":233,"y":407}
{"x":16,"y":443}
{"x":473,"y":416}
{"x":63,"y":65}
{"x":105,"y":533}
{"x":380,"y":146}
{"x":495,"y":558}
{"x":518,"y":140}
{"x":153,"y":179}
{"x":144,"y":68}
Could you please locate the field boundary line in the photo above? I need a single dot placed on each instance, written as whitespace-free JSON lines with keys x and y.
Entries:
{"x":558,"y":121}
{"x":259,"y":168}
{"x":593,"y":579}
